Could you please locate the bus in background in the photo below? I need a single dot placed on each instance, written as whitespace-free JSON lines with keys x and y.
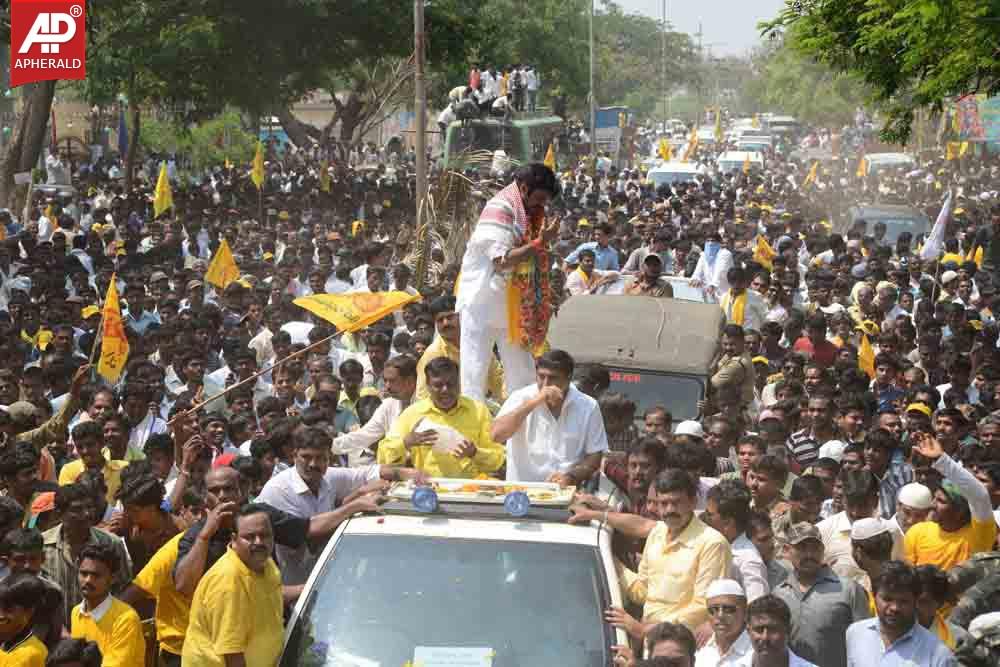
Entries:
{"x":524,"y":139}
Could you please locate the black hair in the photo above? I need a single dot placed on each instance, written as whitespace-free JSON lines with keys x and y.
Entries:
{"x":897,"y":577}
{"x":159,"y":442}
{"x":880,"y":438}
{"x":772,"y":466}
{"x":536,"y":176}
{"x":935,"y":582}
{"x":21,"y":590}
{"x":66,"y":495}
{"x":22,"y":540}
{"x":556,"y":360}
{"x":89,"y":429}
{"x":404,"y":364}
{"x":673,"y":632}
{"x":251,"y":509}
{"x":102,"y":552}
{"x":733,"y":499}
{"x":672,"y":481}
{"x":653,"y":449}
{"x":442,"y":304}
{"x":439,"y":367}
{"x":860,"y":486}
{"x":75,"y":652}
{"x":771,"y":605}
{"x":20,"y":457}
{"x":806,"y":486}
{"x":140,"y":486}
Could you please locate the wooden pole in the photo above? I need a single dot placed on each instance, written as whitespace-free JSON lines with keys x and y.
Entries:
{"x":253,"y":377}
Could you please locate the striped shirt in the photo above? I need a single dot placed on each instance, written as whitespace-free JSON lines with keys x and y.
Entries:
{"x":804,"y":447}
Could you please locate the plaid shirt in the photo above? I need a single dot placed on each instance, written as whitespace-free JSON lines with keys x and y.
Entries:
{"x":60,"y":567}
{"x":896,"y":476}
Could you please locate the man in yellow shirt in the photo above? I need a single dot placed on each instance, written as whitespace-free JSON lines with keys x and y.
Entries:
{"x":963,"y":522}
{"x":19,"y":596}
{"x":681,"y":558}
{"x":173,"y":608}
{"x":89,"y":440}
{"x":446,"y":344}
{"x":447,"y":435}
{"x":103,"y":618}
{"x":236,"y":615}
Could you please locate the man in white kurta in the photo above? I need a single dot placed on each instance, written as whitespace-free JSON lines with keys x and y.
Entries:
{"x":554,"y":432}
{"x":498,"y":244}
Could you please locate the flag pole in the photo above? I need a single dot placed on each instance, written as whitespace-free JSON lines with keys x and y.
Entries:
{"x":253,"y":377}
{"x":97,"y":338}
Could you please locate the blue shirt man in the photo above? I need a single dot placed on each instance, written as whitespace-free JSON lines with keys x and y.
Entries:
{"x":605,"y":257}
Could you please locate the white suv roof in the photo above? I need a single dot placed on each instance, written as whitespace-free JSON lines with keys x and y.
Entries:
{"x":435,"y":525}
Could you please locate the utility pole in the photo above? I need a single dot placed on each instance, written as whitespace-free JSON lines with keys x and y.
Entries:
{"x":593,"y":108}
{"x":701,"y":67}
{"x":663,"y":64}
{"x":420,"y":106}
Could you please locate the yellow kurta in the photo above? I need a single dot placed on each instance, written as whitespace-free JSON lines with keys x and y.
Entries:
{"x":674,"y":574}
{"x":118,"y":634}
{"x":29,"y":653}
{"x":172,"y":607}
{"x":468,"y":417}
{"x":112,"y":476}
{"x":926,"y":544}
{"x":442,"y":348}
{"x":235,"y":610}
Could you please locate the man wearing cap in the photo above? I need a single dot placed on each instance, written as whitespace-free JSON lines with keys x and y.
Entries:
{"x":871,"y":547}
{"x":823,"y":605}
{"x":729,"y":644}
{"x":914,"y":503}
{"x":659,"y":246}
{"x":963,"y":522}
{"x":894,"y":637}
{"x":649,"y":282}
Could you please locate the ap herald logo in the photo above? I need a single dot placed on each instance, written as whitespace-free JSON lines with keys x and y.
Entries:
{"x":48,"y":40}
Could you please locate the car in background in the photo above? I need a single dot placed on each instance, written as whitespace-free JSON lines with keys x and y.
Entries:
{"x":784,"y":125}
{"x":731,"y":161}
{"x":755,"y":143}
{"x":668,"y":173}
{"x":897,"y":219}
{"x":467,"y":583}
{"x":879,"y":161}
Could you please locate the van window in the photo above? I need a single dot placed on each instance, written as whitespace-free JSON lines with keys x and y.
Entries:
{"x":679,"y":393}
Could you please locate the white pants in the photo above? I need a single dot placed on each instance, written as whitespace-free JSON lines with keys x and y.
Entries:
{"x":478,"y":337}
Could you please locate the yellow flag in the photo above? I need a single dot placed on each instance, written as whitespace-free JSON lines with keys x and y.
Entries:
{"x":324,"y":176}
{"x":718,"y":124}
{"x":746,"y":164}
{"x":692,"y":145}
{"x":550,"y":158}
{"x":951,"y":151}
{"x":351,"y":312}
{"x":755,"y":122}
{"x":665,"y":151}
{"x":114,"y":343}
{"x":811,"y":176}
{"x":975,"y":256}
{"x":163,"y":198}
{"x":862,"y":167}
{"x":866,"y":356}
{"x":222,"y":270}
{"x":963,"y":148}
{"x":257,"y":173}
{"x":763,"y":253}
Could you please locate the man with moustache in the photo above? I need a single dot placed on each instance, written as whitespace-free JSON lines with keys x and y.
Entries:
{"x":729,"y":644}
{"x":893,"y":637}
{"x":236,"y":614}
{"x":769,"y":622}
{"x":499,"y":243}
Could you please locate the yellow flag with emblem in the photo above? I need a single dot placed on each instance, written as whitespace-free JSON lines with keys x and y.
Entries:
{"x":665,"y":151}
{"x":811,"y":176}
{"x":550,"y":158}
{"x":866,"y":356}
{"x":114,"y":343}
{"x":257,"y":173}
{"x":222,"y":270}
{"x":163,"y":197}
{"x":350,"y":312}
{"x":763,"y":253}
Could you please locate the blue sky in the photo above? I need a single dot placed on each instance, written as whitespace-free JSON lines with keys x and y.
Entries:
{"x":730,"y":26}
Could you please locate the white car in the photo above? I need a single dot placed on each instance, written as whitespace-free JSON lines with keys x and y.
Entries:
{"x":463,"y":584}
{"x":669,"y":173}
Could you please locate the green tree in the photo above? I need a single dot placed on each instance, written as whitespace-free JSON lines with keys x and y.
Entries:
{"x":910,"y":54}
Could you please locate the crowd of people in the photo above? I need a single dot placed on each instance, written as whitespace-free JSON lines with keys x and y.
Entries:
{"x":834,"y":503}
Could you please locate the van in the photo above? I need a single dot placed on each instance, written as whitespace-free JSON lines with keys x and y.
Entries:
{"x":731,"y":161}
{"x":658,"y":351}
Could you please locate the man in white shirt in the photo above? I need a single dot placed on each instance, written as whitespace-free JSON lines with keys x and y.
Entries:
{"x":729,"y":644}
{"x":554,"y":432}
{"x":727,"y":509}
{"x":312,"y":487}
{"x":532,"y":84}
{"x":400,"y":377}
{"x":585,"y":279}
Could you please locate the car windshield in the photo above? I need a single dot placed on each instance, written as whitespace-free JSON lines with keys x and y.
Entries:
{"x":679,"y":393}
{"x":532,"y":604}
{"x":478,"y":137}
{"x":896,"y":226}
{"x":670,"y":177}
